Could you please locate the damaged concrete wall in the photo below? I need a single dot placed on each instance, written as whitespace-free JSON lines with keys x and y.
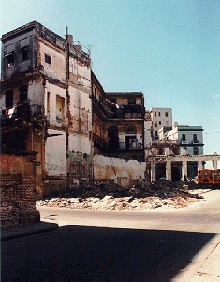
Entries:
{"x":55,"y":153}
{"x":53,"y":60}
{"x":121,"y":171}
{"x":18,"y":193}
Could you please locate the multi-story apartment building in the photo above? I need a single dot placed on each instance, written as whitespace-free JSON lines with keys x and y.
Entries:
{"x":46,"y":102}
{"x":118,"y":127}
{"x":160,"y":117}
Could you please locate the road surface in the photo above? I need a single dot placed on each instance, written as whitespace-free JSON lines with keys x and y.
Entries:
{"x":120,"y":246}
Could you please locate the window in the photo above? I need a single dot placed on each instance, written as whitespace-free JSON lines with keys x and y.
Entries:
{"x":155,"y":114}
{"x":9,"y":59}
{"x":24,"y":53}
{"x":9,"y":99}
{"x":23,"y":93}
{"x":159,"y":114}
{"x":196,"y":151}
{"x":47,"y":59}
{"x":155,"y":124}
{"x":156,"y":134}
{"x":195,"y":140}
{"x":183,"y":137}
{"x":166,"y":114}
{"x":159,"y":122}
{"x":131,"y":101}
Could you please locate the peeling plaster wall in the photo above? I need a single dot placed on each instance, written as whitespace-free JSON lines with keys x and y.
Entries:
{"x":55,"y":153}
{"x":119,"y":170}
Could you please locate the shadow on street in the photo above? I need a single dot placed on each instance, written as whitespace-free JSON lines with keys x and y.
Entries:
{"x":80,"y":253}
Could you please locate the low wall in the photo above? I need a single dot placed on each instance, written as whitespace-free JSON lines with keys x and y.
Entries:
{"x":18,"y":190}
{"x":119,"y":170}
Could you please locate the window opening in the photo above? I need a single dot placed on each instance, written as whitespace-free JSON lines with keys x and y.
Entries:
{"x":24,"y":53}
{"x":195,"y":139}
{"x":47,"y":59}
{"x":9,"y":99}
{"x":166,"y":114}
{"x":60,"y":110}
{"x":23,"y":93}
{"x":9,"y":59}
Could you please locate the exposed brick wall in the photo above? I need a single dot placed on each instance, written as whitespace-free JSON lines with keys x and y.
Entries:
{"x":18,"y":192}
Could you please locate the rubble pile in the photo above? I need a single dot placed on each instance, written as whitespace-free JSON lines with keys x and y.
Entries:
{"x":114,"y":197}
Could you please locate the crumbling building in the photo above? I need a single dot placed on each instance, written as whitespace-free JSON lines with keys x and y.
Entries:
{"x":46,"y":103}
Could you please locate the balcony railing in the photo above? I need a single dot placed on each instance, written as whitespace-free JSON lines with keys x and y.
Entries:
{"x":120,"y":146}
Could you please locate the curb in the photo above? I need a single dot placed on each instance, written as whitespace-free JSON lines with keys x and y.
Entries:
{"x":27,"y":230}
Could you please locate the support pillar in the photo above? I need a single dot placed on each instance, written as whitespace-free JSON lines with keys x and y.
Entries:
{"x":200,"y":165}
{"x":184,"y":170}
{"x":215,"y":164}
{"x":168,"y":170}
{"x":153,"y":172}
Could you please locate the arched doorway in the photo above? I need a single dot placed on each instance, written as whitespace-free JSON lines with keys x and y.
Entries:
{"x":113,"y":140}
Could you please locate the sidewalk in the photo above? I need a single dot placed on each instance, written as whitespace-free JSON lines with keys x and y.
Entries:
{"x":27,"y":230}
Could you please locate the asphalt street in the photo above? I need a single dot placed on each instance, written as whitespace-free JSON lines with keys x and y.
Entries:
{"x":117,"y":246}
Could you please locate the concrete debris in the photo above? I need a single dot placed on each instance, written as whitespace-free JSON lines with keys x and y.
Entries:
{"x":161,"y":194}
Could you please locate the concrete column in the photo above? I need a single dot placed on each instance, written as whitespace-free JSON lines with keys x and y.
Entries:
{"x":168,"y":170}
{"x":200,"y":165}
{"x":153,"y":172}
{"x":184,"y":169}
{"x":215,"y":164}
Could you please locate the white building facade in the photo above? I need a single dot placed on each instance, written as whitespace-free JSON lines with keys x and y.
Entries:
{"x":160,"y":117}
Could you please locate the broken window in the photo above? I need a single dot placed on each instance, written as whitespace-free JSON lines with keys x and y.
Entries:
{"x":24,"y":53}
{"x":9,"y":99}
{"x":47,"y":59}
{"x":10,"y":59}
{"x":23,"y":93}
{"x":166,"y":114}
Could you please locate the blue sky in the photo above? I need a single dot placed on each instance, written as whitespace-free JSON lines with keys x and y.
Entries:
{"x":169,"y":50}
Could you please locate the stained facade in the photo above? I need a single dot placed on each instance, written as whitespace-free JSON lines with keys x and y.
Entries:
{"x":46,"y":103}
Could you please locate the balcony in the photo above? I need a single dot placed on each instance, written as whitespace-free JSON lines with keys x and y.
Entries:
{"x":114,"y":111}
{"x":22,"y":112}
